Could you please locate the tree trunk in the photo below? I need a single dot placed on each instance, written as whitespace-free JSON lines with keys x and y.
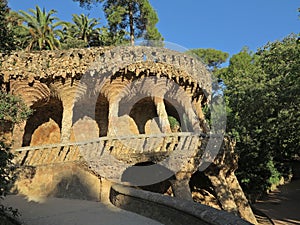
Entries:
{"x":131,"y":22}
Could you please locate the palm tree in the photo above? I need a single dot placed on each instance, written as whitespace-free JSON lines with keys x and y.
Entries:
{"x":42,"y":28}
{"x":84,"y":28}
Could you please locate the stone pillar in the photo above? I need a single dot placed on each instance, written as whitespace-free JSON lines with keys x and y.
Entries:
{"x":105,"y":190}
{"x":162,"y":115}
{"x":200,"y":114}
{"x":6,"y":128}
{"x":18,"y":133}
{"x":181,"y":187}
{"x":223,"y":192}
{"x":67,"y":119}
{"x":113,"y":114}
{"x":241,"y":201}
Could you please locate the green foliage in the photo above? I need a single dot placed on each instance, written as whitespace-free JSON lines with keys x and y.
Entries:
{"x":19,"y":32}
{"x":83,"y":30}
{"x":6,"y":37}
{"x":6,"y":180}
{"x":211,"y":57}
{"x":262,"y":93}
{"x":136,"y":16}
{"x":5,"y":173}
{"x":87,"y":3}
{"x":42,"y":28}
{"x":12,"y":109}
{"x":174,"y":124}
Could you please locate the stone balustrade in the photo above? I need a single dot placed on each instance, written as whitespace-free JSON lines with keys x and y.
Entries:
{"x":130,"y":149}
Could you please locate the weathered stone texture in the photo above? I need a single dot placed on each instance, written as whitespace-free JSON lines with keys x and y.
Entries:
{"x":47,"y":133}
{"x":169,"y":210}
{"x":84,"y":129}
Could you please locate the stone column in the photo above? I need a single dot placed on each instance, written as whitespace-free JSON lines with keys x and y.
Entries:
{"x":181,"y":187}
{"x":105,"y":190}
{"x":200,"y":114}
{"x":223,"y":192}
{"x":241,"y":201}
{"x":67,"y":119}
{"x":162,"y":115}
{"x":113,"y":114}
{"x":18,"y":134}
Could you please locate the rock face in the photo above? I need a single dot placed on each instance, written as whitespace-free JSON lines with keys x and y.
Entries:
{"x":84,"y":94}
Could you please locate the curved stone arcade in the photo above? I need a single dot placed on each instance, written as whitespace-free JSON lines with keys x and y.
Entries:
{"x":86,"y":100}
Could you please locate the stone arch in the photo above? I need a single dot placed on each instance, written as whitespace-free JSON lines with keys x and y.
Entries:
{"x":44,"y":125}
{"x":173,"y":112}
{"x":189,"y":70}
{"x":101,"y":114}
{"x":142,"y":112}
{"x":115,"y":72}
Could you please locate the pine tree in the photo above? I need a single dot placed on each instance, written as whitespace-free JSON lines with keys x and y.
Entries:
{"x":6,"y":37}
{"x":129,"y":19}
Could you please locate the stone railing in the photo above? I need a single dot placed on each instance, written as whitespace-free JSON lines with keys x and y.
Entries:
{"x":130,"y":149}
{"x":170,"y":210}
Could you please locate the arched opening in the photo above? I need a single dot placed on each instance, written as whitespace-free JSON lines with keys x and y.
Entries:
{"x":44,"y":125}
{"x":173,"y":116}
{"x":142,"y":112}
{"x":101,"y":114}
{"x":91,"y":117}
{"x":177,"y":115}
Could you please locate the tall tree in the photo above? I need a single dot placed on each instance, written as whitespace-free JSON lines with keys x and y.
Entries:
{"x":19,"y":32}
{"x":129,"y":18}
{"x":84,"y":28}
{"x":211,"y":57}
{"x":43,"y":29}
{"x":6,"y":37}
{"x":261,"y":91}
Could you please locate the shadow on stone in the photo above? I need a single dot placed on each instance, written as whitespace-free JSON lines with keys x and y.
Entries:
{"x":146,"y":174}
{"x":71,"y":187}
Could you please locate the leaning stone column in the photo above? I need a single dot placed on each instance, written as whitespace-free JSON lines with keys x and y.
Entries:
{"x":181,"y":187}
{"x":18,"y":133}
{"x":241,"y":201}
{"x":223,"y":192}
{"x":105,"y":190}
{"x":162,"y":115}
{"x":200,"y":114}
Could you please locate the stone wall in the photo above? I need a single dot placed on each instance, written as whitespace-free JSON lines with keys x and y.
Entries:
{"x":169,"y":210}
{"x":67,"y":180}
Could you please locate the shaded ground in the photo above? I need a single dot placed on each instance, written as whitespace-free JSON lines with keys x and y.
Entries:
{"x":283,"y":205}
{"x":56,"y":211}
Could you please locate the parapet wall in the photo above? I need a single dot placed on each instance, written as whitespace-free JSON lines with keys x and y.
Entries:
{"x":64,"y":180}
{"x":170,"y":210}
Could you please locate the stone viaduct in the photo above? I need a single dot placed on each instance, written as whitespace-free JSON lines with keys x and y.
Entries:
{"x":99,"y":111}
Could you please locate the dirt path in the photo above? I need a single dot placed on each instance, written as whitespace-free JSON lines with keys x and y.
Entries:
{"x":283,"y":205}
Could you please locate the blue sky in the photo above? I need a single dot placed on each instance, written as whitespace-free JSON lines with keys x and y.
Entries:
{"x":226,"y":25}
